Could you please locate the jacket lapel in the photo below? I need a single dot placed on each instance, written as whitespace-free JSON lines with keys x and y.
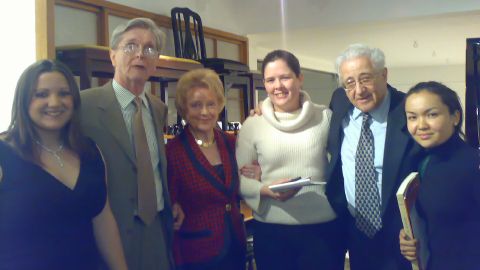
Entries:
{"x":111,"y":116}
{"x":229,"y":163}
{"x":336,"y":131}
{"x":159,"y":118}
{"x":395,"y":146}
{"x":201,"y":164}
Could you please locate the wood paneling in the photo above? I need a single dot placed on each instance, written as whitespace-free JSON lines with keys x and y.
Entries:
{"x":105,"y":8}
{"x":45,"y":29}
{"x":77,"y":5}
{"x":103,"y":36}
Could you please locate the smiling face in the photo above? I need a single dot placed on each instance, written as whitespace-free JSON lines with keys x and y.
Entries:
{"x":51,"y":107}
{"x":202,"y":110}
{"x":283,"y":86}
{"x":370,"y":85}
{"x":428,"y":119}
{"x":133,"y":70}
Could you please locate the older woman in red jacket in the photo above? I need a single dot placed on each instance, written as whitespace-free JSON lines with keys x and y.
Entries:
{"x":203,"y":179}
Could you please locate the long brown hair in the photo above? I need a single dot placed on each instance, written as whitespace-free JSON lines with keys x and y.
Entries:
{"x":21,"y":132}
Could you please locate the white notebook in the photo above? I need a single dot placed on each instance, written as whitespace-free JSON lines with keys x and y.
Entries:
{"x":300,"y":182}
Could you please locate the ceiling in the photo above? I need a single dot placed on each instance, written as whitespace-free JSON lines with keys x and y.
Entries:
{"x":411,"y":32}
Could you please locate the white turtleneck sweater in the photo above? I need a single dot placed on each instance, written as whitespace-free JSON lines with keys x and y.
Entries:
{"x":287,"y":145}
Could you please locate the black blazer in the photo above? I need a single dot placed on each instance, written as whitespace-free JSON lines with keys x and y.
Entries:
{"x":401,"y":157}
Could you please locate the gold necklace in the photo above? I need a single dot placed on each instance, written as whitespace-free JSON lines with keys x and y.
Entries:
{"x":205,"y":144}
{"x":202,"y":143}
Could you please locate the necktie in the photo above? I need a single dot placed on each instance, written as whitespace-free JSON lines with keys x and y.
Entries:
{"x":147,"y":201}
{"x":367,"y":197}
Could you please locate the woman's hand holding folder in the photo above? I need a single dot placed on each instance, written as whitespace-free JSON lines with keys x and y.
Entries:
{"x":408,"y":247}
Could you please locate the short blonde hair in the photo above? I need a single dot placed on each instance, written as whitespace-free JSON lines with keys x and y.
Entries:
{"x":202,"y":77}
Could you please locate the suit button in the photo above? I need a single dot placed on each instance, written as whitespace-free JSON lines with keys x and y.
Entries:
{"x":228,"y":207}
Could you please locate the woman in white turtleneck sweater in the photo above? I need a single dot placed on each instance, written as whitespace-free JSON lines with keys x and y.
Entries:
{"x":296,"y":229}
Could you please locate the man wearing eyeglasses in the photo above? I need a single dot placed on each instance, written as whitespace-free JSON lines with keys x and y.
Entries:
{"x":127,"y":124}
{"x":371,"y":153}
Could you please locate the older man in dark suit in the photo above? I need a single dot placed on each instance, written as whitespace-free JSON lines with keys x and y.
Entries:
{"x":371,"y":153}
{"x":127,"y":124}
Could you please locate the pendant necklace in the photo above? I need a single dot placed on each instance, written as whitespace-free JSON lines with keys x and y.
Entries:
{"x":205,"y":144}
{"x":202,"y":143}
{"x":54,"y":153}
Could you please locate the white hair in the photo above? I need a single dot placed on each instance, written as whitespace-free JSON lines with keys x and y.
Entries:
{"x":376,"y":56}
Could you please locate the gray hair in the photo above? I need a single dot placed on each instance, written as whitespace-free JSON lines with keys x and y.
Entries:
{"x":376,"y":56}
{"x":144,"y":23}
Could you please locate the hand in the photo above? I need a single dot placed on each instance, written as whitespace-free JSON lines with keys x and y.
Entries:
{"x":252,"y":170}
{"x":408,"y":247}
{"x":178,"y":216}
{"x":257,"y":110}
{"x":279,"y":196}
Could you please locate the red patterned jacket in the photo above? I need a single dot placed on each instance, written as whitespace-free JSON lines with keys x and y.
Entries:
{"x":212,"y":214}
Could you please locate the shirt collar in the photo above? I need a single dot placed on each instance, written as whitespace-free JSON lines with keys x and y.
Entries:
{"x":126,"y":97}
{"x":378,"y":114}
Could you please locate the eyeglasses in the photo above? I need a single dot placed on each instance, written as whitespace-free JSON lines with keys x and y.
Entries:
{"x":366,"y":80}
{"x":133,"y":48}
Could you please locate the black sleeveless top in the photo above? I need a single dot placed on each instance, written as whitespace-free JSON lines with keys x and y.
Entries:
{"x":43,"y":223}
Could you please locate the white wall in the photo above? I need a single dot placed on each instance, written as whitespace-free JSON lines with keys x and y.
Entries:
{"x":452,"y":76}
{"x":18,"y":50}
{"x":258,"y":53}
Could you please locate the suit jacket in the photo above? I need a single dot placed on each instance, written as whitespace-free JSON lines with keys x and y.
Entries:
{"x":401,"y":156}
{"x":210,"y":204}
{"x":102,"y":120}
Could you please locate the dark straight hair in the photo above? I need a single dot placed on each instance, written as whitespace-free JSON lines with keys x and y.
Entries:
{"x":288,"y":57}
{"x":446,"y":95}
{"x":21,"y":132}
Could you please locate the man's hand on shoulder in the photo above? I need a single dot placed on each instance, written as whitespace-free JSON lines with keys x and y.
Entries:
{"x":257,"y":110}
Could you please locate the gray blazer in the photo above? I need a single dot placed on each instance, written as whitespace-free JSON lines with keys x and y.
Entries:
{"x":102,"y":120}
